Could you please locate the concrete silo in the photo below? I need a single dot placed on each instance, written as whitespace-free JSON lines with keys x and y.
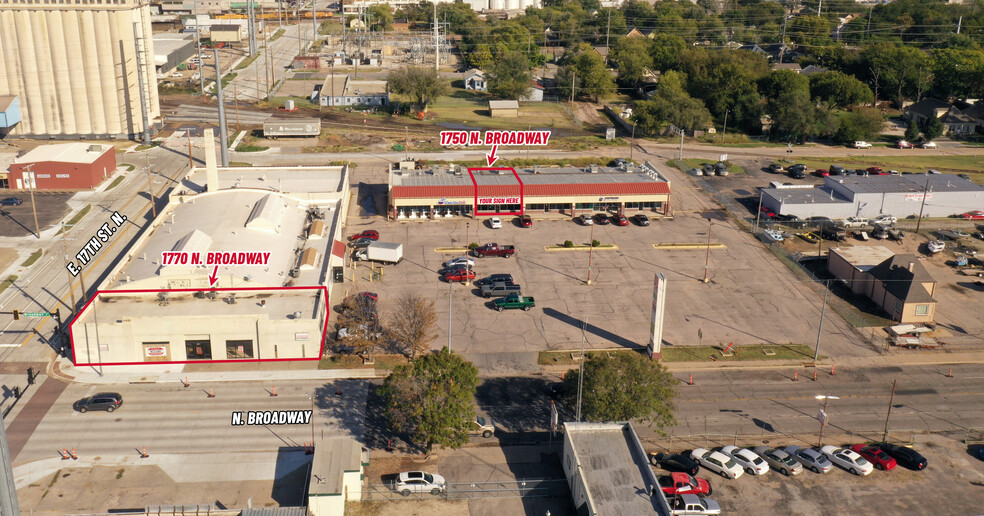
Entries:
{"x":74,"y":67}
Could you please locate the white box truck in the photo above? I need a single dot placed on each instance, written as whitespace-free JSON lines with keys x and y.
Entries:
{"x":385,"y":252}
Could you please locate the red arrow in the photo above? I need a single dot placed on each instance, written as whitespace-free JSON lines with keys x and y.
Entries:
{"x":212,"y":278}
{"x":491,"y":157}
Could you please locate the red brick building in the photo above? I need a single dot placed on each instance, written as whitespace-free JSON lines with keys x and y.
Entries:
{"x":64,"y":166}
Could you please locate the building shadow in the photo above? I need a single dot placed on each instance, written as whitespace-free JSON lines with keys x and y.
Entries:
{"x":290,"y":479}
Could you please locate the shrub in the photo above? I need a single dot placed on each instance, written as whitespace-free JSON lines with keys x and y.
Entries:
{"x":568,"y":244}
{"x":595,"y":243}
{"x":473,"y":246}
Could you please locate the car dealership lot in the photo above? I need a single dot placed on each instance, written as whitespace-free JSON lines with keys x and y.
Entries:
{"x":750,"y":298}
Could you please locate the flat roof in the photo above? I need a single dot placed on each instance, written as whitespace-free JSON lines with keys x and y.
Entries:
{"x":166,"y":43}
{"x":332,"y":458}
{"x":906,"y":183}
{"x":863,"y":257}
{"x":503,"y":104}
{"x":820,"y":195}
{"x":365,"y":87}
{"x":293,"y":180}
{"x":446,"y":176}
{"x":6,"y":101}
{"x":614,"y":469}
{"x":64,"y":152}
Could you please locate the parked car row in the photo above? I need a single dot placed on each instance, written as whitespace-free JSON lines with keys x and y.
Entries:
{"x":603,"y":219}
{"x":710,"y":169}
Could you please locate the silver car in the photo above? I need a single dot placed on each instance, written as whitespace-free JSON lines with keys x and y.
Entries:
{"x":779,"y":460}
{"x":419,"y":482}
{"x":812,"y":459}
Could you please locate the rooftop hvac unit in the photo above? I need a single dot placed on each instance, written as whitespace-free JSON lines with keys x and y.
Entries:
{"x":95,"y":148}
{"x":594,"y":169}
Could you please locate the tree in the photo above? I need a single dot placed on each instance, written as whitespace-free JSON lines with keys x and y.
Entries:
{"x":809,"y":30}
{"x":632,"y":57}
{"x":779,"y":81}
{"x":912,"y":132}
{"x":430,"y":399}
{"x":860,"y":124}
{"x":412,"y":325}
{"x":840,"y":89}
{"x":422,"y":84}
{"x":381,"y":16}
{"x":623,"y":387}
{"x":592,"y":74}
{"x":510,"y":76}
{"x":671,"y":104}
{"x":796,"y":116}
{"x":361,"y":323}
{"x":932,"y":128}
{"x":666,"y":50}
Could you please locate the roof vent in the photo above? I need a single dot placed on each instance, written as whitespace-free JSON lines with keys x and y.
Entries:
{"x":95,"y":148}
{"x":594,"y":168}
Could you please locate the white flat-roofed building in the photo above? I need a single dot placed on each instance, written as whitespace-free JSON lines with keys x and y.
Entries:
{"x":150,"y":309}
{"x":342,"y":90}
{"x":608,"y":471}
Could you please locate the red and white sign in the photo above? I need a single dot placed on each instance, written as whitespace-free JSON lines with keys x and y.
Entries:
{"x":156,"y":351}
{"x":498,"y":200}
{"x":473,"y":138}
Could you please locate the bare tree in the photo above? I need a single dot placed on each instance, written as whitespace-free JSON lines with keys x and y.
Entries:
{"x":413,"y":324}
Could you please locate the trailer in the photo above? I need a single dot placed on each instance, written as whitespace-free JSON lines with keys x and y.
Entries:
{"x":277,"y":127}
{"x":385,"y":252}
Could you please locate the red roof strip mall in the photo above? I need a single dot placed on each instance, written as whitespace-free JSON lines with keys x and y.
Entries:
{"x":447,"y":191}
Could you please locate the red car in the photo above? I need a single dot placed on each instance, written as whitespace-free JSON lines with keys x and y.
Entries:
{"x":620,"y":220}
{"x":974,"y":215}
{"x":823,"y":173}
{"x":682,"y":483}
{"x":460,"y":275}
{"x":369,"y":233}
{"x":875,"y":171}
{"x":768,"y":212}
{"x":526,"y":221}
{"x":875,"y":455}
{"x":902,"y":144}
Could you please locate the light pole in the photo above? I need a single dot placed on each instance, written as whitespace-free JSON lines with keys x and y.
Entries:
{"x":891,"y":400}
{"x":631,"y":144}
{"x":590,"y":252}
{"x":724,"y":134}
{"x":823,"y":310}
{"x":311,"y":397}
{"x":707,"y":257}
{"x":822,"y":416}
{"x":30,"y":186}
{"x":450,"y":292}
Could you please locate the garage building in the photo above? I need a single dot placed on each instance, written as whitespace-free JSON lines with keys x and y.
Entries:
{"x":870,"y":196}
{"x":898,"y":283}
{"x":63,"y":166}
{"x":454,"y":191}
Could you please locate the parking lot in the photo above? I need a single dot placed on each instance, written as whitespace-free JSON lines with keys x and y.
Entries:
{"x":17,"y":221}
{"x":751,"y":297}
{"x":957,"y":295}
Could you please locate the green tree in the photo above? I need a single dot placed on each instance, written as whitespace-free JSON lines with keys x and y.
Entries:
{"x":583,"y":64}
{"x":840,"y":89}
{"x":481,"y":57}
{"x":671,"y":104}
{"x":932,"y":128}
{"x":510,"y":77}
{"x":381,"y":16}
{"x":795,"y":116}
{"x":860,"y":124}
{"x":632,"y":57}
{"x":666,"y":50}
{"x":779,"y":81}
{"x":623,"y":387}
{"x":809,"y":30}
{"x":430,"y":399}
{"x":422,"y":84}
{"x":958,"y":73}
{"x":912,"y":132}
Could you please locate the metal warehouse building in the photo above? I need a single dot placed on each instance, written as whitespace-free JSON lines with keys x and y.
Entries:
{"x":456,"y":191}
{"x":860,"y":196}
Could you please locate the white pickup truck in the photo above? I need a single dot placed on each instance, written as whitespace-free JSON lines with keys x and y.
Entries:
{"x":855,"y":222}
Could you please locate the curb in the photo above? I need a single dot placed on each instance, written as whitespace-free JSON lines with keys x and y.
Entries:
{"x":606,"y":247}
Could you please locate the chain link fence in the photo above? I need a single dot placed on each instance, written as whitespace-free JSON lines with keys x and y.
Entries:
{"x":519,"y":488}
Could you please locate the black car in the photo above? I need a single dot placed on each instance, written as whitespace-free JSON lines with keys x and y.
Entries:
{"x":797,"y":173}
{"x":495,"y":278}
{"x":708,"y":168}
{"x":108,"y":401}
{"x":674,"y":462}
{"x":797,"y":167}
{"x":641,"y":219}
{"x":906,"y":457}
{"x":820,"y":221}
{"x":11,"y":201}
{"x":836,"y":170}
{"x":602,"y":219}
{"x":790,"y":220}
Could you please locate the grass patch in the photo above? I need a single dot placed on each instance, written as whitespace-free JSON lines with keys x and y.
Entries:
{"x":463,"y":107}
{"x":276,"y":35}
{"x":333,"y":143}
{"x":227,"y":78}
{"x":78,"y":216}
{"x":342,"y":164}
{"x":734,"y":140}
{"x":129,"y":166}
{"x":696,"y":354}
{"x":584,"y":142}
{"x":248,"y":144}
{"x":170,"y":88}
{"x":119,"y":473}
{"x":115,"y":183}
{"x":547,"y":162}
{"x":7,"y":282}
{"x":381,"y":361}
{"x":246,"y":62}
{"x":143,"y":147}
{"x":35,"y":256}
{"x":240,"y":164}
{"x":275,"y":102}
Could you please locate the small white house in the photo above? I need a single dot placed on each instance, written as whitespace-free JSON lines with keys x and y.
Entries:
{"x":475,"y":80}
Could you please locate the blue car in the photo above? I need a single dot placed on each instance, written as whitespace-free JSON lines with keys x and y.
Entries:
{"x":11,"y":201}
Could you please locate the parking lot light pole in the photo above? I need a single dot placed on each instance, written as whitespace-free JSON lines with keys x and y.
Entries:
{"x":707,"y":257}
{"x":823,"y":414}
{"x":311,"y":397}
{"x":590,"y":252}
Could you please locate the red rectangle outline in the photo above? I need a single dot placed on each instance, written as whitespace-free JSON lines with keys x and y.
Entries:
{"x":324,"y":333}
{"x":475,"y":211}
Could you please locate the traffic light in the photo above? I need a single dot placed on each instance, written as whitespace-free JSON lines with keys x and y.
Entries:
{"x":16,"y":315}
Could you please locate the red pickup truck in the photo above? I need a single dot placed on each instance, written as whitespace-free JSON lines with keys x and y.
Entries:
{"x":495,"y":250}
{"x":682,"y":483}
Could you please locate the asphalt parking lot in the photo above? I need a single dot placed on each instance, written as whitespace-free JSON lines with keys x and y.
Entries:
{"x":953,"y":483}
{"x":17,"y":221}
{"x":751,"y":297}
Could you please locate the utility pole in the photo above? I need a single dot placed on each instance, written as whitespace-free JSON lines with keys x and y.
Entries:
{"x":959,"y":21}
{"x":823,"y":310}
{"x":406,"y":155}
{"x":71,"y":285}
{"x":725,"y":133}
{"x":573,"y":82}
{"x":150,"y":188}
{"x":707,"y":256}
{"x":923,"y":203}
{"x":8,"y":501}
{"x":314,"y":20}
{"x":235,"y":99}
{"x":223,"y":132}
{"x":608,"y":28}
{"x":198,"y":42}
{"x":867,"y":30}
{"x":631,"y":144}
{"x":818,"y":7}
{"x":437,"y":44}
{"x":823,"y":415}
{"x":34,"y":208}
{"x":266,"y":56}
{"x":191,"y":159}
{"x":891,"y":400}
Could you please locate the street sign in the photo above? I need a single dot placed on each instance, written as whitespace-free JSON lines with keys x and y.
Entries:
{"x":723,"y":158}
{"x":36,"y":314}
{"x":822,"y":417}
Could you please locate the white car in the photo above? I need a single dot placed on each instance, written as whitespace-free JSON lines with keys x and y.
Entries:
{"x":753,"y":464}
{"x":928,"y":145}
{"x":419,"y":482}
{"x":717,"y":462}
{"x":461,"y":260}
{"x":854,"y":222}
{"x":936,"y":246}
{"x":587,"y":220}
{"x":780,"y":460}
{"x":495,"y":222}
{"x":205,"y":56}
{"x":773,"y":235}
{"x":177,"y":74}
{"x":848,"y":459}
{"x":884,"y":219}
{"x":811,"y":459}
{"x":862,"y":145}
